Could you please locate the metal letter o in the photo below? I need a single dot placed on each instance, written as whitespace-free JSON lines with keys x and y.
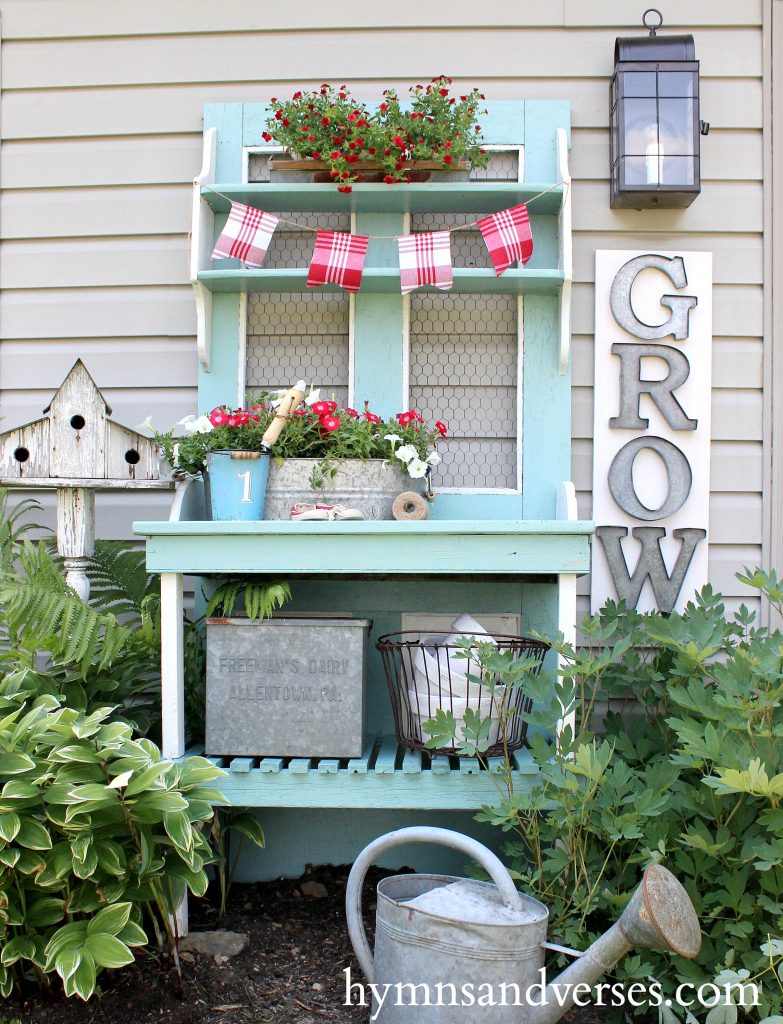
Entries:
{"x":678,"y":471}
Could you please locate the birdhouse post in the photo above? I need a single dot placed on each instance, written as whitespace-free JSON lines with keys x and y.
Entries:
{"x":75,"y":449}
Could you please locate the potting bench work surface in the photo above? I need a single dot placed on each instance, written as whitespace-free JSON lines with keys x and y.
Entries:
{"x":388,"y":775}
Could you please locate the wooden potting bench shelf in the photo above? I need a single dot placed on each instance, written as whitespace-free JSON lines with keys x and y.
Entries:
{"x":387,"y":776}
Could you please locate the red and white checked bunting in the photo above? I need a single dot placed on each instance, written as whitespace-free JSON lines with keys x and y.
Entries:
{"x":246,"y":235}
{"x":338,"y":258}
{"x":425,"y":259}
{"x":508,"y":237}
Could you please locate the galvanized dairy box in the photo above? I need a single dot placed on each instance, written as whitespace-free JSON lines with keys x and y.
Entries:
{"x":286,"y":687}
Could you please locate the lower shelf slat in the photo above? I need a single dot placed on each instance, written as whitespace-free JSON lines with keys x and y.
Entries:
{"x":419,"y":783}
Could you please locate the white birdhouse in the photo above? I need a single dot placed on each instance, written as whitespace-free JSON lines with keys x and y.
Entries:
{"x":76,"y":440}
{"x":76,"y":449}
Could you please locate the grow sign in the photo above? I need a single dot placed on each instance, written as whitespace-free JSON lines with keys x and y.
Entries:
{"x":651,"y":454}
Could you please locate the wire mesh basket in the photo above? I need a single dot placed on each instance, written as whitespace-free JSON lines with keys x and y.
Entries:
{"x":426,"y":673}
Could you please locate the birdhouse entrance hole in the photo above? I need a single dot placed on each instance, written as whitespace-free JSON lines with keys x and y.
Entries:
{"x":77,"y":421}
{"x":132,"y":457}
{"x":21,"y":454}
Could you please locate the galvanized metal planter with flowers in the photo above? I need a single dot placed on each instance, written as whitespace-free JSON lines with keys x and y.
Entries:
{"x":326,"y":453}
{"x":333,"y":131}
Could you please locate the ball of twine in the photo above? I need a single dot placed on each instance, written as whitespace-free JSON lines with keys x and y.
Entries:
{"x":409,"y":506}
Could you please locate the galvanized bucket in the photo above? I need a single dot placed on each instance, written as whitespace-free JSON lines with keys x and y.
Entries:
{"x":493,"y":935}
{"x":370,"y":485}
{"x":235,"y":483}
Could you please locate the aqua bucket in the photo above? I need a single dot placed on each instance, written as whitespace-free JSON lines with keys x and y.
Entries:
{"x":236,"y":484}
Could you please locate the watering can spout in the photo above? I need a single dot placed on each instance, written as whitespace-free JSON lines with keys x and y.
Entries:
{"x":659,"y":916}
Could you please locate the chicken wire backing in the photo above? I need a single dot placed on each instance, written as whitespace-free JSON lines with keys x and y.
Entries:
{"x":468,"y":248}
{"x":292,"y":335}
{"x":463,"y":370}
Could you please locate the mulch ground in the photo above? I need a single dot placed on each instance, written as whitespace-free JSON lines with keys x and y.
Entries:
{"x":290,"y":973}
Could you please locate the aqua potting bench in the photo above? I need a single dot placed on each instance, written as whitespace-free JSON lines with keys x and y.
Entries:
{"x":515,"y":547}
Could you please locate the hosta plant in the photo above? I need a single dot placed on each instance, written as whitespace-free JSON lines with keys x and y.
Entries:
{"x":99,"y":839}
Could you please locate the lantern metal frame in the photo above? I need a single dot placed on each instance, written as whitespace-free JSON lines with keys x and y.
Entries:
{"x":661,"y":57}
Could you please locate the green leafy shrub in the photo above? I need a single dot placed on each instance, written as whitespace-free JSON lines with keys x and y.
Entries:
{"x":99,"y":837}
{"x":688,"y":773}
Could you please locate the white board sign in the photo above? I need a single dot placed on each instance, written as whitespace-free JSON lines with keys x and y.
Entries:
{"x":651,"y":427}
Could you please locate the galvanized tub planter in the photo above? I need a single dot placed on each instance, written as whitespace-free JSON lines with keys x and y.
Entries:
{"x":288,"y":687}
{"x":370,"y":485}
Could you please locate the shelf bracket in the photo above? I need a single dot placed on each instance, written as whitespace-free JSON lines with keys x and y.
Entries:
{"x":566,"y":252}
{"x":201,"y":236}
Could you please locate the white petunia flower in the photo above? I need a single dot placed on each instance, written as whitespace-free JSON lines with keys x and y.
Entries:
{"x":433,"y":459}
{"x":147,"y":425}
{"x":406,"y":452}
{"x":196,"y":424}
{"x":417,"y":468}
{"x":392,"y":437}
{"x":314,"y":396}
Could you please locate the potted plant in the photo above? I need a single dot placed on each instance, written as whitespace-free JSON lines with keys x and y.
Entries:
{"x":335,"y":132}
{"x":326,"y":453}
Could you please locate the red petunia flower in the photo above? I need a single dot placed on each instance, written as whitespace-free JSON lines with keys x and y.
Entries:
{"x":329,"y":423}
{"x":351,"y":412}
{"x":372,"y":418}
{"x":441,"y":428}
{"x":266,"y":136}
{"x":344,"y":188}
{"x":404,"y":418}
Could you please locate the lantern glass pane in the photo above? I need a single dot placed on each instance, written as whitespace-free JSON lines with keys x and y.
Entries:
{"x":676,"y":126}
{"x":678,"y":170}
{"x":639,"y":126}
{"x":675,"y":83}
{"x":633,"y":170}
{"x":638,"y":83}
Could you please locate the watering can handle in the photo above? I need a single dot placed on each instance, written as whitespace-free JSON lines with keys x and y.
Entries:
{"x":416,"y":834}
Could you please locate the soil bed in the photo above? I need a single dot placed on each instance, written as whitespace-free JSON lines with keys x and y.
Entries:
{"x":290,"y":973}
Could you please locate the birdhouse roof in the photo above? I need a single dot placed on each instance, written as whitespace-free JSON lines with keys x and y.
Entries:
{"x":79,"y":368}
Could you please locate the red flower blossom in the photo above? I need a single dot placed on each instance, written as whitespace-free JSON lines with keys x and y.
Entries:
{"x":300,"y":412}
{"x":441,"y":428}
{"x":324,"y":121}
{"x":329,"y":423}
{"x":286,"y":122}
{"x":404,"y":418}
{"x":399,"y":142}
{"x":383,"y":106}
{"x":323,"y":408}
{"x":372,"y":418}
{"x":447,"y":159}
{"x":351,"y":412}
{"x":344,"y":188}
{"x":266,"y":136}
{"x":388,"y":179}
{"x":443,"y":92}
{"x":218,"y":417}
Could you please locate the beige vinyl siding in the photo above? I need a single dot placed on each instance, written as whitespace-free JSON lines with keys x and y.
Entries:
{"x":100,"y":122}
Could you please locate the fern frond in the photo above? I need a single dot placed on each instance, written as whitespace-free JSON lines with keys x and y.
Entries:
{"x":260,"y":599}
{"x":12,"y":530}
{"x":59,"y":622}
{"x":119,"y":581}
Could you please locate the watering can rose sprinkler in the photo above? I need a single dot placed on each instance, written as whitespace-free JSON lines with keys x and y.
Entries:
{"x":236,"y":480}
{"x":451,"y":950}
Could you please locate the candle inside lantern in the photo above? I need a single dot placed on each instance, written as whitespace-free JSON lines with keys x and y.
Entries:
{"x":653,"y":156}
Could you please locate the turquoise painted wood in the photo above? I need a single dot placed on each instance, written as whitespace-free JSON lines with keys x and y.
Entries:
{"x":388,"y":777}
{"x":421,"y":197}
{"x":430,"y":548}
{"x":386,"y":281}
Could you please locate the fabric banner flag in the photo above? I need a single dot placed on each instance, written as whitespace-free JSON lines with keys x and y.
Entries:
{"x":508,"y":237}
{"x":246,"y":235}
{"x":338,"y":258}
{"x":425,"y":259}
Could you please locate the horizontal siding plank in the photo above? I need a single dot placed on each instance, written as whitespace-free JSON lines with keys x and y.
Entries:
{"x":78,"y":163}
{"x":725,"y":155}
{"x":334,"y":54}
{"x":49,"y":19}
{"x":736,"y":258}
{"x":723,"y":207}
{"x":167,"y":109}
{"x":112,"y":362}
{"x":734,"y":465}
{"x":736,"y":362}
{"x":68,"y":213}
{"x":736,"y":415}
{"x":94,"y":262}
{"x":98,"y":312}
{"x":737,"y":311}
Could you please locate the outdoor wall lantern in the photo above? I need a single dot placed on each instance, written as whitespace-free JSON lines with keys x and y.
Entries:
{"x":655,"y":126}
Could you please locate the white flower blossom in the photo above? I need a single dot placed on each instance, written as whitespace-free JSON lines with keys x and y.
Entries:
{"x":147,"y":425}
{"x":406,"y":452}
{"x":314,"y":396}
{"x":175,"y":455}
{"x":196,"y":424}
{"x":392,"y":437}
{"x":417,"y":468}
{"x":433,"y":459}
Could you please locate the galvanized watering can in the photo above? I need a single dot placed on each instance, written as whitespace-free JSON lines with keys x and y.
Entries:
{"x":450,"y":950}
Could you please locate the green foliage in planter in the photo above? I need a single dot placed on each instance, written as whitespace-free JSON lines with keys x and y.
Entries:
{"x":98,"y":838}
{"x":260,"y":599}
{"x":689,"y":773}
